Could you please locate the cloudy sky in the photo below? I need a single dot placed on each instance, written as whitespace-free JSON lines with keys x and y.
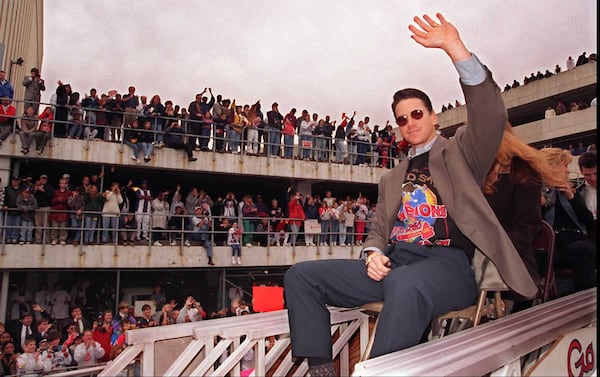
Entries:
{"x":327,"y":57}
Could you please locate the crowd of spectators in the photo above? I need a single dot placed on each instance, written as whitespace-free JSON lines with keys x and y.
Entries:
{"x":571,"y":64}
{"x":51,"y":330}
{"x":36,"y":212}
{"x":207,"y":123}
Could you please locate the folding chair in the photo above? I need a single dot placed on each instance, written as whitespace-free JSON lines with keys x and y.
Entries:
{"x":544,"y":244}
{"x":488,"y":279}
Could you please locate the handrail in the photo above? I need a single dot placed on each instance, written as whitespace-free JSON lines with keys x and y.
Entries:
{"x":208,"y":341}
{"x":486,"y":348}
{"x":322,"y":149}
{"x":171,"y":233}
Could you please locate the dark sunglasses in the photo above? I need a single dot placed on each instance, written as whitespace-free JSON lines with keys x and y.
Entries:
{"x":402,"y":120}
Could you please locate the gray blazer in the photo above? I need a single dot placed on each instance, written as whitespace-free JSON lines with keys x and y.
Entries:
{"x":458,"y":169}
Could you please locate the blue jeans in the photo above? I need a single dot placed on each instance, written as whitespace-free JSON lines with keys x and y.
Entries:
{"x":306,"y":152}
{"x":76,"y":224}
{"x":157,"y":125}
{"x":274,"y":141}
{"x":147,"y":148}
{"x":135,"y":148}
{"x":362,"y":148}
{"x":325,"y":230}
{"x":293,"y":233}
{"x":233,"y":140}
{"x":288,"y":142}
{"x":13,"y":222}
{"x":205,"y":137}
{"x":110,"y":223}
{"x":335,"y":228}
{"x":339,"y":150}
{"x":27,"y":230}
{"x":75,"y":130}
{"x":322,"y":150}
{"x":202,"y":236}
{"x":91,"y":222}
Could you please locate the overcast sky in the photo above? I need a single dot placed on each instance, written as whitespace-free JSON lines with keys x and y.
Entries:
{"x":327,"y":57}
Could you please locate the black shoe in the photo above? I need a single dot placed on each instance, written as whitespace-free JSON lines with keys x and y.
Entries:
{"x":192,"y":159}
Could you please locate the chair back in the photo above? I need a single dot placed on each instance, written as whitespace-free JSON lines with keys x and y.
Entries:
{"x":544,"y":243}
{"x":486,"y":274}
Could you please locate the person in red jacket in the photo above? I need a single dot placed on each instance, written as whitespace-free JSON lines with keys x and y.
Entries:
{"x":44,"y":132}
{"x":296,"y":216}
{"x":59,"y":216}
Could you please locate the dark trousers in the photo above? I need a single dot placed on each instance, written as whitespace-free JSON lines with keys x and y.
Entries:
{"x":576,"y":251}
{"x":424,"y":283}
{"x":188,"y":148}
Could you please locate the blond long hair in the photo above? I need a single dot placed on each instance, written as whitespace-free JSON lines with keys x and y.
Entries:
{"x":557,"y":158}
{"x":533,"y":167}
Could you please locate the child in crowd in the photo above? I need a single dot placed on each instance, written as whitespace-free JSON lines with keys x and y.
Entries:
{"x":31,"y":361}
{"x":234,"y":241}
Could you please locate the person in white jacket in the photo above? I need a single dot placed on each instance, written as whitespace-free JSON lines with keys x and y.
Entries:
{"x":111,"y":212}
{"x":31,"y":361}
{"x":88,"y":351}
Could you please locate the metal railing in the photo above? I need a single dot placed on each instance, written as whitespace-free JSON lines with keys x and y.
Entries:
{"x":217,"y":347}
{"x":315,"y":148}
{"x":181,"y":236}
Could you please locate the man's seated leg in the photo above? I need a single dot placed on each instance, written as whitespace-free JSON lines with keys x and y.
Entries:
{"x":429,"y":282}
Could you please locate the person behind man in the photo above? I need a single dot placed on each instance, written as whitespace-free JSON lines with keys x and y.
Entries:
{"x":565,"y":210}
{"x":587,"y":167}
{"x":34,"y":85}
{"x":435,"y":274}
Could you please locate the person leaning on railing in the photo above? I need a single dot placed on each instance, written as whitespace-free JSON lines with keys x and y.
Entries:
{"x":7,"y":118}
{"x":29,"y":123}
{"x":44,"y":132}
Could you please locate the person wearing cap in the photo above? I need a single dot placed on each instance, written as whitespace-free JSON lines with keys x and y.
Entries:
{"x":26,"y":204}
{"x":67,"y":178}
{"x":202,"y":224}
{"x":13,"y":216}
{"x":60,"y":356}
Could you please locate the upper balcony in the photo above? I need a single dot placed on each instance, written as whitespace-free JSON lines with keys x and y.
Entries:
{"x":526,"y":105}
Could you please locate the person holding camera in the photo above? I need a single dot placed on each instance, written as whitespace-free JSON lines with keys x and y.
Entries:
{"x":110,"y":212}
{"x":191,"y":311}
{"x":34,"y":86}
